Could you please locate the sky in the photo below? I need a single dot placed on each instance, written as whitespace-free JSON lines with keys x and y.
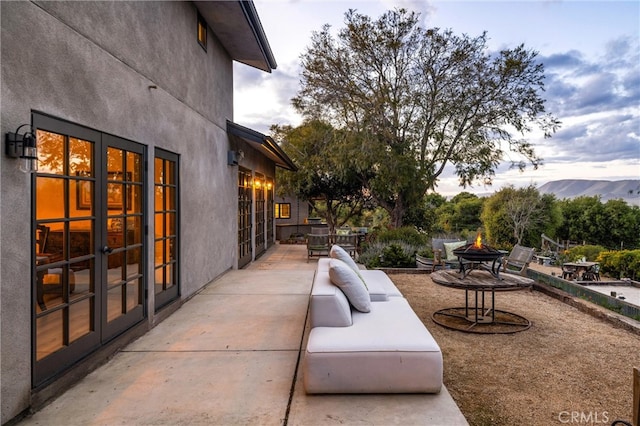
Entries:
{"x":590,"y":50}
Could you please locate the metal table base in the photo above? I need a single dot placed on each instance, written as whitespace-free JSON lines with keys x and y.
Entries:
{"x":471,"y":317}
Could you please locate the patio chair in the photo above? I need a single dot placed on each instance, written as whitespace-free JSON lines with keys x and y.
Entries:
{"x":518,"y":260}
{"x":348,"y":241}
{"x":319,"y":231}
{"x":569,"y":272}
{"x":592,"y":274}
{"x":317,"y":245}
{"x":439,"y":253}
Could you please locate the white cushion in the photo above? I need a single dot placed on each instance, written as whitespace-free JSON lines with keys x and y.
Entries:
{"x":350,"y":283}
{"x":386,"y":351}
{"x":379,"y":285}
{"x":450,"y":247}
{"x":338,"y":252}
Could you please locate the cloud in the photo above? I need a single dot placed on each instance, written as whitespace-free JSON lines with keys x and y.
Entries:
{"x":592,"y":72}
{"x":570,"y":59}
{"x":598,"y":138}
{"x":598,"y":101}
{"x":263,"y":99}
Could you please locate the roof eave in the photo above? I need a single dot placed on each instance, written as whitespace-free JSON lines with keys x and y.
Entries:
{"x":263,"y":144}
{"x":238,"y":28}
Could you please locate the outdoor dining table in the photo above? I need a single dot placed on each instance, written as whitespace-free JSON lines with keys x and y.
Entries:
{"x":479,"y":315}
{"x":574,"y":270}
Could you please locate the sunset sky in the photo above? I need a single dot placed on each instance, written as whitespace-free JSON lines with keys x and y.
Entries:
{"x":590,"y":50}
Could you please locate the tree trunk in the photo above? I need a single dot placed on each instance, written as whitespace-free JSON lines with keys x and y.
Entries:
{"x":397,"y":214}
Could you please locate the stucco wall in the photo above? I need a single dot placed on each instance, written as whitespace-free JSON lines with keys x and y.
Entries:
{"x":92,"y":63}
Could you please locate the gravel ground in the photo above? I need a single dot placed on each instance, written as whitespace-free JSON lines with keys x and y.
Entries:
{"x":567,"y":368}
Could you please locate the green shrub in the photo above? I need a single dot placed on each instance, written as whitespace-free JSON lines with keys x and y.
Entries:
{"x":426,"y":252}
{"x":398,"y":255}
{"x":371,"y":255}
{"x":406,"y":234}
{"x":395,"y":254}
{"x":620,"y":264}
{"x":588,"y":251}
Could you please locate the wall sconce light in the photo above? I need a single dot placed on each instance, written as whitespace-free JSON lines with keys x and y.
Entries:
{"x":269,"y":186}
{"x":23,"y":147}
{"x":234,"y":157}
{"x":257,"y":183}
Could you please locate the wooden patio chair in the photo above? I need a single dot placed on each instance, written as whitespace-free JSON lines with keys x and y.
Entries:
{"x":319,"y":231}
{"x":592,"y":274}
{"x":348,"y":241}
{"x":518,"y":260}
{"x":317,"y":245}
{"x":439,"y":254}
{"x":569,"y":272}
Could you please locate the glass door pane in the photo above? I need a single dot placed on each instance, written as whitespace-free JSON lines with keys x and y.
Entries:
{"x":244,"y":217}
{"x":270,"y":208}
{"x":64,"y":252}
{"x":165,"y":225}
{"x":259,"y":188}
{"x":122,"y":203}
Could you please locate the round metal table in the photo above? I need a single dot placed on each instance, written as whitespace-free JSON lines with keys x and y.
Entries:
{"x":479,"y":314}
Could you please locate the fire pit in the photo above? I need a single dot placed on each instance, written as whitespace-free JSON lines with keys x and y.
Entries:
{"x":478,"y":255}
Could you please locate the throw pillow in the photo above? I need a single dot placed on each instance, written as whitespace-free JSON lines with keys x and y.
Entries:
{"x":450,"y":247}
{"x":339,"y":253}
{"x":351,"y":285}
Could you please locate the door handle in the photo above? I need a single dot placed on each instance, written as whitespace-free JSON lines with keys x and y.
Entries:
{"x":107,"y":249}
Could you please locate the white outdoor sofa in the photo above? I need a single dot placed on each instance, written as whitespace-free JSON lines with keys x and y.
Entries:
{"x":385,"y":350}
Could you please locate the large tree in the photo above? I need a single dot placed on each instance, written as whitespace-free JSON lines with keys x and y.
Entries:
{"x":416,"y":100}
{"x":326,"y":182}
{"x":519,"y":216}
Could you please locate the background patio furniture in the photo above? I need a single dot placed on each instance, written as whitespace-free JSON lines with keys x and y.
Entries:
{"x":439,"y":255}
{"x":585,"y":271}
{"x":347,"y":240}
{"x":518,"y":260}
{"x":317,"y":245}
{"x":319,"y":231}
{"x":568,"y":272}
{"x":478,"y":315}
{"x":592,"y":274}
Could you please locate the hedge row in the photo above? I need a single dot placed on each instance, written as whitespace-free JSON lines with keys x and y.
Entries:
{"x":620,"y":264}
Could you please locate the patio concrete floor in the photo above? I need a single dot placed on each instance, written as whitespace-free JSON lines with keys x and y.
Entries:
{"x":230,"y":356}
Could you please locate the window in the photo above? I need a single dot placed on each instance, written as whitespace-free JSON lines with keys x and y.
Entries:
{"x":283,"y":210}
{"x":202,"y":32}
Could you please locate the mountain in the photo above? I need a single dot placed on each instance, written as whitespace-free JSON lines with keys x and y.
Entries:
{"x":628,"y":190}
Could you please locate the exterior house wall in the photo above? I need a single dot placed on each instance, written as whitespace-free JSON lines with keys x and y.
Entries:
{"x":135,"y":70}
{"x":297,"y":222}
{"x":299,"y":210}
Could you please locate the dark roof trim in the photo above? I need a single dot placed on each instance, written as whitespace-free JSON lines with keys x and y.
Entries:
{"x":238,"y":28}
{"x":252,"y":15}
{"x":263,"y":144}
